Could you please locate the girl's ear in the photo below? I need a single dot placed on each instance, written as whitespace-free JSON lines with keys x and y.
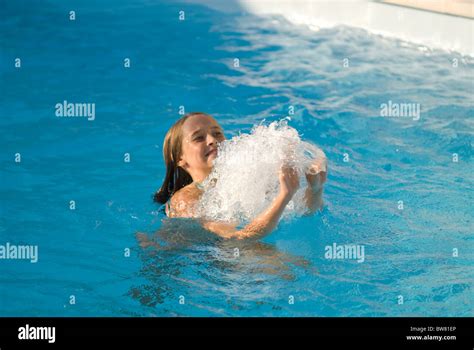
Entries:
{"x":182,"y":163}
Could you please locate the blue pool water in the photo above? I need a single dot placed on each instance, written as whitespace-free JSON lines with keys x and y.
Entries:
{"x":408,"y":253}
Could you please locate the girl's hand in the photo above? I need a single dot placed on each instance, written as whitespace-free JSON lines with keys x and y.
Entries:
{"x":289,"y":181}
{"x":317,"y":174}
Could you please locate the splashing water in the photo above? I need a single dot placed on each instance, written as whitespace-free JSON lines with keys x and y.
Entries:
{"x":244,"y":180}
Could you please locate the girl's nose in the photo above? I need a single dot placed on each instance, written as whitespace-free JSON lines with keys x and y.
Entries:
{"x":211,"y":139}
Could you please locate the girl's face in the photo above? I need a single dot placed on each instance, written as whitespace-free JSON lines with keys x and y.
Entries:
{"x":201,"y":134}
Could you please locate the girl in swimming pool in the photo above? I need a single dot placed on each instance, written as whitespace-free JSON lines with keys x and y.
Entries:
{"x":189,"y":149}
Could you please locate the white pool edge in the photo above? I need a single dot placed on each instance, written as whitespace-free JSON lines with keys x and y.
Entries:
{"x":429,"y":29}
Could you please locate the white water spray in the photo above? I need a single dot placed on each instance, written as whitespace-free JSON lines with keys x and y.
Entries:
{"x":244,"y":180}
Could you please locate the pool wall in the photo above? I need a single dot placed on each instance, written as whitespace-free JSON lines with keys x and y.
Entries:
{"x":427,"y":28}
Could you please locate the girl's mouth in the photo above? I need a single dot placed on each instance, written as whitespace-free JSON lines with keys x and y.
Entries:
{"x":214,"y":151}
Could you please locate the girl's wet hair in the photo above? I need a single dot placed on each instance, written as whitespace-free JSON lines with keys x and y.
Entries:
{"x":176,"y":177}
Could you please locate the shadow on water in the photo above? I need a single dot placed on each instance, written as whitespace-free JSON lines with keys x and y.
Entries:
{"x":182,"y":256}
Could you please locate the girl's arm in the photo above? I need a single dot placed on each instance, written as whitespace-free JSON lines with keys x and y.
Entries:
{"x":316,"y":176}
{"x":266,"y":221}
{"x":259,"y":227}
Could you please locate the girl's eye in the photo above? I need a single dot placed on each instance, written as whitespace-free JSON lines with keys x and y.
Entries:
{"x":201,"y":138}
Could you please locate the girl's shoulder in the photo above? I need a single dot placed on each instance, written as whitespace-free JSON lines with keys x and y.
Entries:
{"x":182,"y":203}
